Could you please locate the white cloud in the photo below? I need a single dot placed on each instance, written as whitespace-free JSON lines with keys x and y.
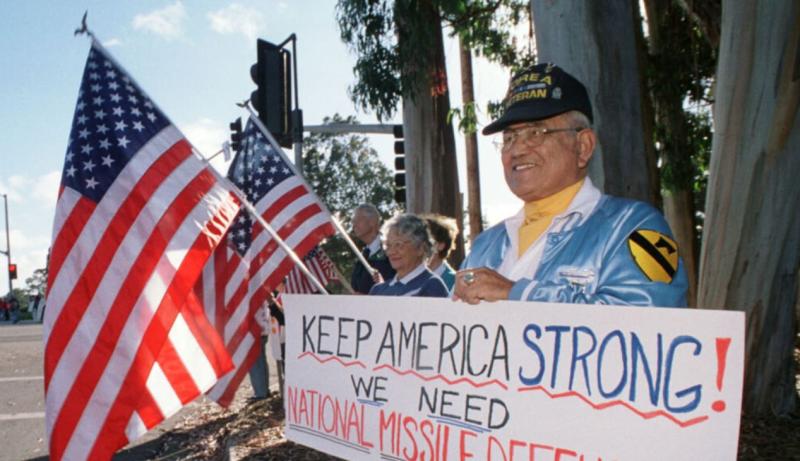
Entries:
{"x":166,"y":22}
{"x":207,"y":136}
{"x":112,"y":42}
{"x":43,"y":190}
{"x":237,"y":19}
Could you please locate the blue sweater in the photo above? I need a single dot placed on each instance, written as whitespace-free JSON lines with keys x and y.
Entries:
{"x":424,"y":284}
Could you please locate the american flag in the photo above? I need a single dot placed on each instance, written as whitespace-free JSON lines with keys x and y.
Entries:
{"x":238,"y":282}
{"x":137,"y":216}
{"x":318,"y":262}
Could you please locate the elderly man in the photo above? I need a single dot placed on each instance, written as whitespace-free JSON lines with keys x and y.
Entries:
{"x":366,"y":228}
{"x":570,"y":243}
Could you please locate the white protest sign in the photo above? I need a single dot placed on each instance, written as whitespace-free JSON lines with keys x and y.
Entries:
{"x":431,"y":379}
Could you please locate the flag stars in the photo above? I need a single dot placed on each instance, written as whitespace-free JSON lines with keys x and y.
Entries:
{"x":121,"y":125}
{"x":151,"y":116}
{"x":81,"y":105}
{"x":98,"y":101}
{"x":95,"y":88}
{"x":86,"y":149}
{"x":71,"y":171}
{"x":148,"y":104}
{"x":118,"y":111}
{"x":105,"y":144}
{"x":123,"y":142}
{"x":99,"y":114}
{"x":115,"y":98}
{"x":136,"y":112}
{"x":137,"y":125}
{"x":107,"y":161}
{"x":111,"y":74}
{"x":102,"y":129}
{"x":82,"y":119}
{"x":89,"y":165}
{"x":130,"y":88}
{"x":91,"y":64}
{"x":83,"y":134}
{"x":113,"y":86}
{"x":91,"y":183}
{"x":94,"y":76}
{"x":69,"y":156}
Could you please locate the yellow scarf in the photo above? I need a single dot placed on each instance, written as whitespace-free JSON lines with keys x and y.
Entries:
{"x":540,"y":213}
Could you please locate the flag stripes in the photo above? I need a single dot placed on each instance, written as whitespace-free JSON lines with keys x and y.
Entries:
{"x":256,"y":264}
{"x":319,"y":264}
{"x":136,"y":219}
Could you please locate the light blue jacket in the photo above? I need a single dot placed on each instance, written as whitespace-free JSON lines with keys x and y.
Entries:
{"x":590,"y":259}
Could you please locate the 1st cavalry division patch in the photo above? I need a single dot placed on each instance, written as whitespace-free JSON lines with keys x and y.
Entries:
{"x":655,"y":254}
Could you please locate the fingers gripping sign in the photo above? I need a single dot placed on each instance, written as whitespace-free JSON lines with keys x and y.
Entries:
{"x":482,"y":284}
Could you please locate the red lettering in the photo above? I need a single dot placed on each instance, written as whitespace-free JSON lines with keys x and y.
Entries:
{"x":427,"y":424}
{"x":462,"y":445}
{"x":533,"y":448}
{"x":565,"y":452}
{"x":384,"y":424}
{"x":493,"y":441}
{"x":406,"y":421}
{"x":514,"y":444}
{"x":361,"y":439}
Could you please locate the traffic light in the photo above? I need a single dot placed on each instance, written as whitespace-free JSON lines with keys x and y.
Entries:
{"x":236,"y":135}
{"x":273,"y":95}
{"x":12,"y":271}
{"x":399,"y":165}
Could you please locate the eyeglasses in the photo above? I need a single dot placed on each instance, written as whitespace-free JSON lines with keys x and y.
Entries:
{"x":398,"y":245}
{"x":532,"y":136}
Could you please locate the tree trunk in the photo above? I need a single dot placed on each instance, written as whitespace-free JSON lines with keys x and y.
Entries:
{"x":596,"y":42}
{"x":431,"y":167}
{"x":665,"y":24}
{"x":471,"y":144}
{"x":679,"y":211}
{"x":751,"y":248}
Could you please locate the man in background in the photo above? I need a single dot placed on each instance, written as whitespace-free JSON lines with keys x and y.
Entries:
{"x":367,"y":229}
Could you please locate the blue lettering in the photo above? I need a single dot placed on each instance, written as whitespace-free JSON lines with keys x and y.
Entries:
{"x":654,"y":386}
{"x":532,"y":328}
{"x":557,"y":329}
{"x":581,"y":357}
{"x":695,"y":390}
{"x":623,"y":354}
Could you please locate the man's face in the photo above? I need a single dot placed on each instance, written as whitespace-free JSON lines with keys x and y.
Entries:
{"x":533,"y":171}
{"x":364,"y":226}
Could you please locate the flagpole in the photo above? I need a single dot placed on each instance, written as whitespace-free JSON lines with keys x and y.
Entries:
{"x":335,"y":221}
{"x":253,"y":212}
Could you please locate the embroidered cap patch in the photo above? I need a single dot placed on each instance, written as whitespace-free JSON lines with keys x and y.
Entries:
{"x":655,"y":254}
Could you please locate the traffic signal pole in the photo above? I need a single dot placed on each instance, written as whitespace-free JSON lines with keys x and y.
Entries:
{"x":8,"y":245}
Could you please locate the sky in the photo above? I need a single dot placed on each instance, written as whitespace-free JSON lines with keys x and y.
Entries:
{"x":193,"y":59}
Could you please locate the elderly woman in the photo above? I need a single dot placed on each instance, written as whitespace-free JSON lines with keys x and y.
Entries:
{"x":408,"y":245}
{"x":444,"y":231}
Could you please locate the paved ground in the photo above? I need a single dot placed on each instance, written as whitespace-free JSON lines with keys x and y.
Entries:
{"x":21,"y":391}
{"x":22,"y":431}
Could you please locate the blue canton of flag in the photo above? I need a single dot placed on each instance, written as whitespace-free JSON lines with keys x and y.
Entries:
{"x":113,"y":119}
{"x":256,"y":169}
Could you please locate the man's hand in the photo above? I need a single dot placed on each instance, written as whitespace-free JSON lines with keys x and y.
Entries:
{"x":376,"y":276}
{"x":482,"y":284}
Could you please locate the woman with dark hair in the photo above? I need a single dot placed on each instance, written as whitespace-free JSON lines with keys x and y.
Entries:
{"x":444,"y":231}
{"x":408,"y":245}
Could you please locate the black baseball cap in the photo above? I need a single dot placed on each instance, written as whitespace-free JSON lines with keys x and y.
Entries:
{"x":538,"y":92}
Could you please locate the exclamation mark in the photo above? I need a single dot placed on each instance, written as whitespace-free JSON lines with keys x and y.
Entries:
{"x":722,"y":357}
